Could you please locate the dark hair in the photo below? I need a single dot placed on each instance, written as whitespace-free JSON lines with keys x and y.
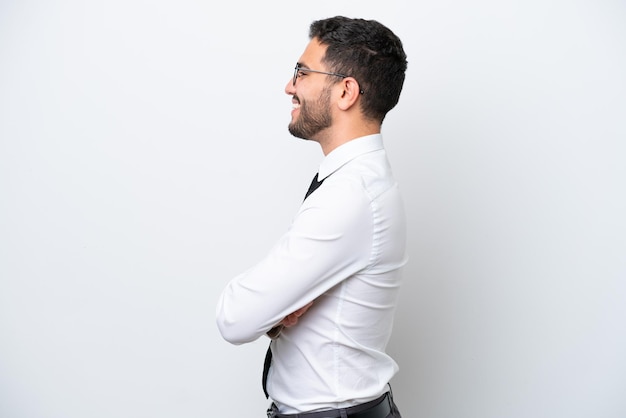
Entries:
{"x":369,"y":52}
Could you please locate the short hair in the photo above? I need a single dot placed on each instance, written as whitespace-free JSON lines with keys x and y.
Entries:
{"x":368,"y":51}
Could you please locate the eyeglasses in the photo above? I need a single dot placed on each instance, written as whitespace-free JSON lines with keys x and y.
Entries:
{"x":296,"y":74}
{"x":299,"y":68}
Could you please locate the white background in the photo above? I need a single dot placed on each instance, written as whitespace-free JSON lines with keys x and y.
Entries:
{"x":145,"y":160}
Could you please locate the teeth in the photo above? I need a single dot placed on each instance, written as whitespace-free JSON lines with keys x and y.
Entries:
{"x":296,"y":105}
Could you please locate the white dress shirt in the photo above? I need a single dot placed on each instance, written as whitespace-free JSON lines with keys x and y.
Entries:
{"x":344,"y":250}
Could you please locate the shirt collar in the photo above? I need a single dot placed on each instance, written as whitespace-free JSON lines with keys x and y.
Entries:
{"x":347,"y":152}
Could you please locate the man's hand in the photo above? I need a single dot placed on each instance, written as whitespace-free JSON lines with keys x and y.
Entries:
{"x":288,"y":321}
{"x":292,"y":319}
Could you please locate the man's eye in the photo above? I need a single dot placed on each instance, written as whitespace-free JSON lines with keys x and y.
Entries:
{"x":300,"y":73}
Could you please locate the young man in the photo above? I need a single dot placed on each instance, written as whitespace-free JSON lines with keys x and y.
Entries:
{"x":326,"y":293}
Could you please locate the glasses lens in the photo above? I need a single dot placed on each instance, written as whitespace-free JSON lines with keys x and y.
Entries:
{"x":295,"y":74}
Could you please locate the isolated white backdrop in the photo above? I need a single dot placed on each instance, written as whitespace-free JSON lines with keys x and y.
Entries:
{"x":144,"y":161}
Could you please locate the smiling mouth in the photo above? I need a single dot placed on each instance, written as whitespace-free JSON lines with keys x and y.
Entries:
{"x":296,"y":103}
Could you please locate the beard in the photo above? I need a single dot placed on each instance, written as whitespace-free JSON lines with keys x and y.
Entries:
{"x":313,"y":117}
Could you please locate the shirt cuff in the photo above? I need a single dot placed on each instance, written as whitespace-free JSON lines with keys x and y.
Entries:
{"x":275,"y":332}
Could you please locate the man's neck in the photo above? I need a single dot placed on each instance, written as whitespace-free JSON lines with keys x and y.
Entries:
{"x":336,"y":137}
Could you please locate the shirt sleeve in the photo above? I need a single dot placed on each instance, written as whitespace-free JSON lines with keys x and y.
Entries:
{"x":329,"y":240}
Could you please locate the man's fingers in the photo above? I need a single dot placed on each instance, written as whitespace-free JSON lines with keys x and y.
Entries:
{"x":302,"y":310}
{"x":292,"y":319}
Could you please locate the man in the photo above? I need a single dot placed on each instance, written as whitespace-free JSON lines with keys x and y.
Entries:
{"x":326,"y":293}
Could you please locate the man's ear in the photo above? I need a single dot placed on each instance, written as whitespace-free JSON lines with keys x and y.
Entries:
{"x":351,"y":91}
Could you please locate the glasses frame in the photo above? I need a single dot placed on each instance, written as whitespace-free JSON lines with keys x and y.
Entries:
{"x":308,"y":70}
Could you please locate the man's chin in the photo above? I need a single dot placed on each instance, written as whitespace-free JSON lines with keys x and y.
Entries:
{"x":297,"y":133}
